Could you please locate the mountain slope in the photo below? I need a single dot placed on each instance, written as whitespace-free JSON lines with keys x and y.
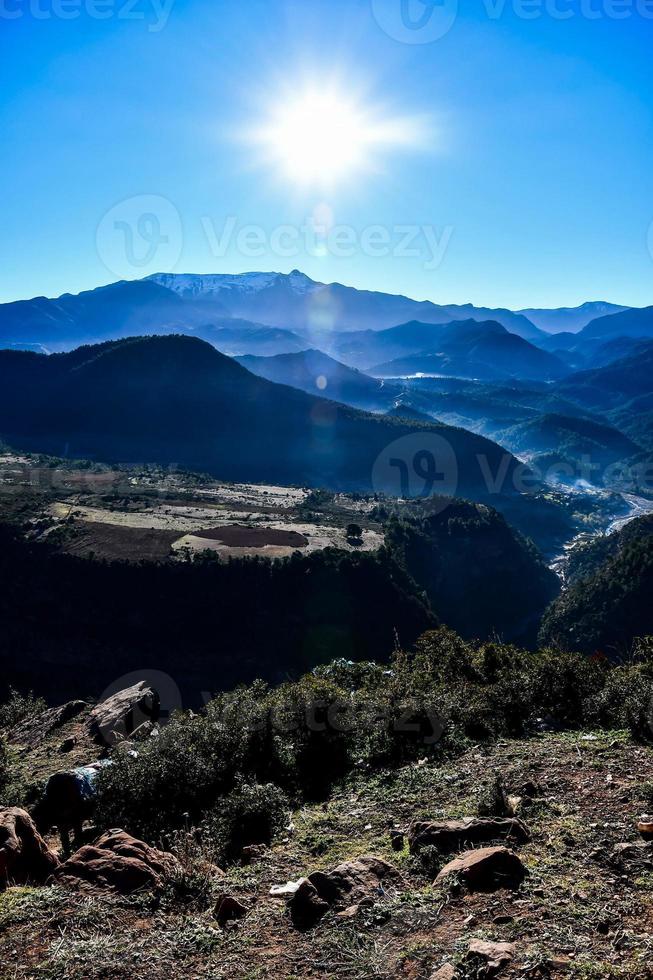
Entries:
{"x":573,"y":438}
{"x":631,"y":323}
{"x":609,"y":603}
{"x":318,"y":374}
{"x":486,"y":351}
{"x":470,"y":558}
{"x":130,"y":308}
{"x":238,"y":338}
{"x":121,"y":309}
{"x":571,"y":319}
{"x":612,"y":386}
{"x":177,"y":401}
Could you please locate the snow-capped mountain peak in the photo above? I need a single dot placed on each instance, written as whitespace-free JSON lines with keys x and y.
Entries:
{"x":206,"y":286}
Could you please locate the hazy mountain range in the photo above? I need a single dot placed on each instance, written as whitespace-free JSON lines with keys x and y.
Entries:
{"x":177,"y":401}
{"x":296,"y":302}
{"x":570,"y":319}
{"x":467,"y":349}
{"x":311,"y":354}
{"x":264,"y":314}
{"x":235,"y":312}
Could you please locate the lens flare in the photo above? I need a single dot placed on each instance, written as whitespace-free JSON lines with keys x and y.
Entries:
{"x":322,"y":136}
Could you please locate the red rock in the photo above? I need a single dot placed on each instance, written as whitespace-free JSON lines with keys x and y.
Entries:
{"x":446,"y":972}
{"x":24,"y":856}
{"x":450,"y":835}
{"x":495,"y":955}
{"x":120,"y":863}
{"x":486,"y":869}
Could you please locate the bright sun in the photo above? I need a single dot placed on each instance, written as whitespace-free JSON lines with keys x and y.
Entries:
{"x":318,"y":137}
{"x":322,"y":136}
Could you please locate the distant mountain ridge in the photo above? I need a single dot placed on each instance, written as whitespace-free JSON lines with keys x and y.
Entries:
{"x":176,"y":400}
{"x":571,"y":319}
{"x":269,"y":313}
{"x":297,"y":302}
{"x":631,"y":323}
{"x":318,"y":374}
{"x":469,"y":349}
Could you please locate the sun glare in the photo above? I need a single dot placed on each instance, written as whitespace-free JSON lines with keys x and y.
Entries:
{"x":322,"y":136}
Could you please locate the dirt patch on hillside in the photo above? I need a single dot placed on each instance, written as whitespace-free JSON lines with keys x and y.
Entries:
{"x":115,"y":543}
{"x":241,"y":536}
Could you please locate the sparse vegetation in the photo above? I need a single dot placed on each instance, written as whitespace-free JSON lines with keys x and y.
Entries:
{"x":18,"y":707}
{"x":305,"y":737}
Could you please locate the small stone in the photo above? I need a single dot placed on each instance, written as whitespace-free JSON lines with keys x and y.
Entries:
{"x":252,"y":852}
{"x":446,"y":972}
{"x":228,"y":908}
{"x":495,"y":955}
{"x":285,"y":891}
{"x":348,"y":913}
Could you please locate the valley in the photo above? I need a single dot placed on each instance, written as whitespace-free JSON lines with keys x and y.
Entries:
{"x":326,"y":490}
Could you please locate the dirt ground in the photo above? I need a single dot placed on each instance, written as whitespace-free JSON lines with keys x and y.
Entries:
{"x":585,"y":911}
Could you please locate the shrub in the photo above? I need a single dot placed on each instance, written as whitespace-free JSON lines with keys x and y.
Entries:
{"x":625,"y":701}
{"x":250,"y":814}
{"x":176,"y":776}
{"x":4,"y":770}
{"x":18,"y":708}
{"x":302,"y":737}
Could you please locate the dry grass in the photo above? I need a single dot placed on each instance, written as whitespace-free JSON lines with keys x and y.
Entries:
{"x":579,"y":914}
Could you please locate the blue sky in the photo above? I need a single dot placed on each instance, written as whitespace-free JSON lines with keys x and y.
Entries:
{"x":532,"y":167}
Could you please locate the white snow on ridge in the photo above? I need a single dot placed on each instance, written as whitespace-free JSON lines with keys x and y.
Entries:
{"x":198,"y":286}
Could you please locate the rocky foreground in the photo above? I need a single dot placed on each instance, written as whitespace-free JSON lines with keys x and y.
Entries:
{"x":527,"y":859}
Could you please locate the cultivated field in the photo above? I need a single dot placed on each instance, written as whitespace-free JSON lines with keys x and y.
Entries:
{"x":135,"y":514}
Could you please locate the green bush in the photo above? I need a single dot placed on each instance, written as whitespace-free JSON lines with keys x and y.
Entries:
{"x":4,"y":771}
{"x":18,"y":708}
{"x":295,"y":741}
{"x":249,"y":814}
{"x":625,"y":700}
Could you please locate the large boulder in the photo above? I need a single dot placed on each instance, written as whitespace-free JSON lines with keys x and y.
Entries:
{"x":347,"y":886}
{"x":486,"y":869}
{"x":35,"y":729}
{"x":119,"y":863}
{"x":115,"y":718}
{"x":451,"y":835}
{"x":24,"y":856}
